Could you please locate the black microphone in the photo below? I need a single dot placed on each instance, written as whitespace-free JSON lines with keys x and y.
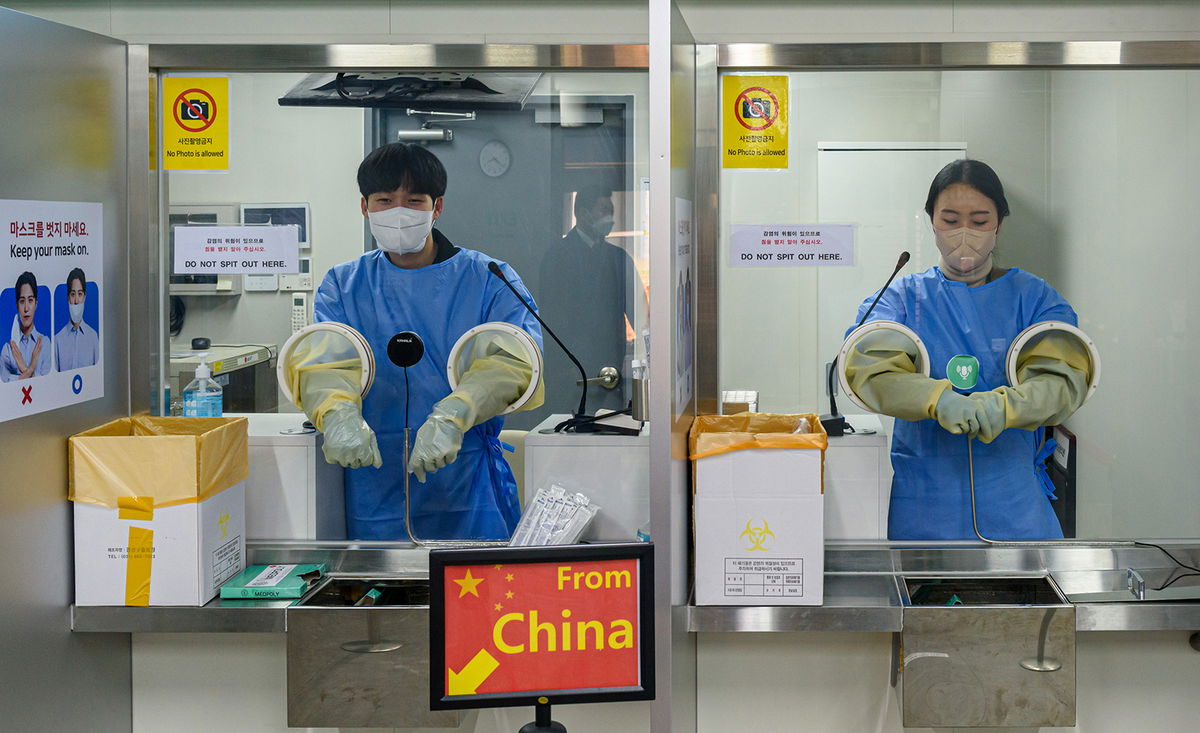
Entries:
{"x":834,"y":422}
{"x":582,"y":412}
{"x":404,"y":350}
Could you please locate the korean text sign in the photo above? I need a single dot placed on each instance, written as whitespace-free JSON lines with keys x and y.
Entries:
{"x":791,"y":245}
{"x":252,"y":250}
{"x":754,"y":121}
{"x":572,"y":624}
{"x":195,"y":123}
{"x":51,"y":308}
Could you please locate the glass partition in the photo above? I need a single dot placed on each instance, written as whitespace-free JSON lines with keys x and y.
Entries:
{"x":546,"y":171}
{"x":1097,"y":169}
{"x":515,"y":171}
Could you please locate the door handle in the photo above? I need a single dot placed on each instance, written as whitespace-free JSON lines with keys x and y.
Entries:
{"x":608,"y":378}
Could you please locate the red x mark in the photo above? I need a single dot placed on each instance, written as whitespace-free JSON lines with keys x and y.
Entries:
{"x":26,"y":397}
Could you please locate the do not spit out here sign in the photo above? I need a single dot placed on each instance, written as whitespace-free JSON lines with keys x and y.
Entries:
{"x":791,"y":245}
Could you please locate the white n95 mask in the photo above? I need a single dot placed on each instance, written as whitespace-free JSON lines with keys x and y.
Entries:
{"x":400,"y":230}
{"x":602,"y":227}
{"x":966,"y":252}
{"x":76,"y":312}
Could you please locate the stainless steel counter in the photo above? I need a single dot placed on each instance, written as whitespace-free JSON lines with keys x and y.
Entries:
{"x":861,"y":587}
{"x":862,"y":591}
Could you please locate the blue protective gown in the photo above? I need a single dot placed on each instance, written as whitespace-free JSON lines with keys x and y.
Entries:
{"x":474,"y":497}
{"x":930,"y":490}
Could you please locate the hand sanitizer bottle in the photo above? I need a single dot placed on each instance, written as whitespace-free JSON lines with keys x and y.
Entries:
{"x":202,"y":396}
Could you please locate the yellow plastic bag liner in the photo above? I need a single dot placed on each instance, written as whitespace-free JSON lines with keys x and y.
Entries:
{"x":139,"y":463}
{"x":714,"y":434}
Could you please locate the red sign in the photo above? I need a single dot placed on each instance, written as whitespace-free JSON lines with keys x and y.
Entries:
{"x":541,"y":626}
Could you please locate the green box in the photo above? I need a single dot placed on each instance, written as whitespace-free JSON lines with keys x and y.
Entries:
{"x":273,"y":581}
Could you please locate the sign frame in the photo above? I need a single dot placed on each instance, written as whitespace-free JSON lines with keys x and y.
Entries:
{"x":440,"y":559}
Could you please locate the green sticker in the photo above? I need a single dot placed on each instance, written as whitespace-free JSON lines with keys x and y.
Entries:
{"x":963,"y":371}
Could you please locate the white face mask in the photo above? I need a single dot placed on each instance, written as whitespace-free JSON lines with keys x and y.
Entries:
{"x":399,"y":229}
{"x":76,"y":312}
{"x":602,"y":227}
{"x":966,"y":253}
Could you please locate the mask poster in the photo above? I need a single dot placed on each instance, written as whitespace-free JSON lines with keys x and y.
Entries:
{"x":51,"y":314}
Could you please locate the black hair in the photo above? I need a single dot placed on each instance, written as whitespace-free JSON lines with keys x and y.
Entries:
{"x":587,"y":197}
{"x":25,"y":278}
{"x":974,"y":173}
{"x":391,"y":166}
{"x":77,"y":274}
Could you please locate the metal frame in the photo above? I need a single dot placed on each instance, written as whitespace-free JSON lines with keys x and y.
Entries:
{"x":960,"y":55}
{"x":146,"y":375}
{"x":381,"y":57}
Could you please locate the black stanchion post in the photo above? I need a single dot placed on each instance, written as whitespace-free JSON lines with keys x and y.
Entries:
{"x":541,"y":720}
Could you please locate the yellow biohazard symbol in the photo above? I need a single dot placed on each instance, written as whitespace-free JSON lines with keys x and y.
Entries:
{"x":223,"y":523}
{"x":758,"y":536}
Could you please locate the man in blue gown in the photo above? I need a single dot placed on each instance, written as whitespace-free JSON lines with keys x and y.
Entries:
{"x":418,"y":280}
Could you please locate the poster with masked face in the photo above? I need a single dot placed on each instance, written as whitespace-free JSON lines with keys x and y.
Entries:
{"x":51,"y":315}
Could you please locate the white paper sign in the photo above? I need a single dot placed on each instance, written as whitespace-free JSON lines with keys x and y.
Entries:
{"x":784,"y":245}
{"x":51,"y":314}
{"x":250,"y":250}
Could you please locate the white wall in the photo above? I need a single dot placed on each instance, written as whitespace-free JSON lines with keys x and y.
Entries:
{"x":1125,"y":150}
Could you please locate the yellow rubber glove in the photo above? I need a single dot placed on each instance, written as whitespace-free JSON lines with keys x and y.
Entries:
{"x":439,"y":439}
{"x":498,"y":375}
{"x":1053,"y":374}
{"x":324,"y":374}
{"x":349,"y":441}
{"x":957,"y":413}
{"x":881,"y":369}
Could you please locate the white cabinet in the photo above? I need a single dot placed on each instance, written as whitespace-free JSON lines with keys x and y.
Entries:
{"x":858,"y":480}
{"x":291,"y":492}
{"x":611,"y":470}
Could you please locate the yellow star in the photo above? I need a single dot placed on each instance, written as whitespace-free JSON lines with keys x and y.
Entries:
{"x":497,"y":566}
{"x":509,"y":595}
{"x":499,"y":607}
{"x":509,"y":577}
{"x":468,"y":584}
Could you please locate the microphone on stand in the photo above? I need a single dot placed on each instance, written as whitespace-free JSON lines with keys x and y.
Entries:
{"x":405,"y":349}
{"x":580,"y":422}
{"x":835,"y":422}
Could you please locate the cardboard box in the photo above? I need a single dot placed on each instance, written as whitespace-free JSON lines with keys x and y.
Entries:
{"x":159,"y":505}
{"x":759,"y":510}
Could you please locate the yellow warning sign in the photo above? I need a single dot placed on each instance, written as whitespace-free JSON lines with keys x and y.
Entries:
{"x":754,"y":121}
{"x":195,"y":115}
